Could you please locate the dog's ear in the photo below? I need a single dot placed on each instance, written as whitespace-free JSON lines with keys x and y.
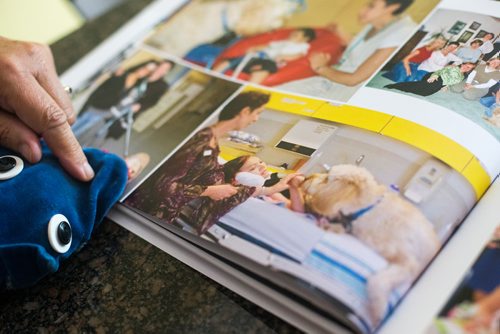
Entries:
{"x":350,"y":173}
{"x":313,"y":181}
{"x":333,"y":197}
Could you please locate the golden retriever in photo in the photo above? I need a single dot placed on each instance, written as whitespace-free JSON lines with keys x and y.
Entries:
{"x":381,"y":219}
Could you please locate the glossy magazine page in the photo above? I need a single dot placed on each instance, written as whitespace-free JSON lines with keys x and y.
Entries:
{"x":474,"y":307}
{"x":236,"y":134}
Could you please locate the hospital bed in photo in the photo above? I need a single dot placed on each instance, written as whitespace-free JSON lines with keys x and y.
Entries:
{"x":289,"y":242}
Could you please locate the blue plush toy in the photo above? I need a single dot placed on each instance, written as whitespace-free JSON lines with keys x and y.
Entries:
{"x":46,"y":215}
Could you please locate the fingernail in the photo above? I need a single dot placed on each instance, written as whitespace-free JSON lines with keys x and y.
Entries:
{"x":25,"y":150}
{"x":29,"y":153}
{"x":88,"y":171}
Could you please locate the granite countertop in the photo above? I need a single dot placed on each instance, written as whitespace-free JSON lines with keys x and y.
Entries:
{"x":118,"y":282}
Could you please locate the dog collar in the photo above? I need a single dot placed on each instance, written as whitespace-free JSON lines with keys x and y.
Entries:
{"x":346,"y":220}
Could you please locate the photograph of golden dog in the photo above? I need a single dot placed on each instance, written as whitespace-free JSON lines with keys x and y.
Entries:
{"x":391,"y":226}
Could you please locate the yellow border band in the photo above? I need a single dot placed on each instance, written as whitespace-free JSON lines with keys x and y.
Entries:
{"x":416,"y":135}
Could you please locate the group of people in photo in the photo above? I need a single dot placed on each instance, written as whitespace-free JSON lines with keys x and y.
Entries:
{"x":471,"y":70}
{"x":441,"y":63}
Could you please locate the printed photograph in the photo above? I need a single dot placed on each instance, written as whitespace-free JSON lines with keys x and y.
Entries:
{"x":451,"y":64}
{"x":353,"y":213}
{"x":475,"y":305}
{"x":143,"y":107}
{"x":319,"y":48}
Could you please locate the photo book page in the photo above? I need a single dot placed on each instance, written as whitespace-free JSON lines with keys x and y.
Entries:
{"x":474,"y":307}
{"x":331,"y":149}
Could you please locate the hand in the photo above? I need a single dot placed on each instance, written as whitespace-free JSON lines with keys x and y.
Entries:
{"x":33,"y":104}
{"x":220,"y":191}
{"x":319,"y":60}
{"x":284,"y":183}
{"x":479,"y":323}
{"x":497,"y":96}
{"x":136,"y":107}
{"x":281,"y":61}
{"x":407,"y":70}
{"x":296,"y":181}
{"x":467,"y":86}
{"x":432,"y":79}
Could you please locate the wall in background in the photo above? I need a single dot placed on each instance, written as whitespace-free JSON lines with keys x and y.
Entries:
{"x":39,"y":21}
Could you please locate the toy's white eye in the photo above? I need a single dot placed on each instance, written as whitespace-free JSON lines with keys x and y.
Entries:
{"x":10,"y":166}
{"x":59,"y":232}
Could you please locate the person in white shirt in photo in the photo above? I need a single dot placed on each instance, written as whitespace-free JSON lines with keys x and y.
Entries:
{"x":386,"y":29}
{"x":438,"y":60}
{"x":487,"y":46}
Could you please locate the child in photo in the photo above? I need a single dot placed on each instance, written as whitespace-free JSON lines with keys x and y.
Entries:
{"x":264,"y":60}
{"x":434,"y":82}
{"x":191,"y":185}
{"x":250,"y":171}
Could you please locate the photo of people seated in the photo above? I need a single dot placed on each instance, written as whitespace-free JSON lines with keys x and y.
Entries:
{"x":318,"y":48}
{"x":129,"y":109}
{"x":451,"y":61}
{"x":475,"y":305}
{"x":301,"y":192}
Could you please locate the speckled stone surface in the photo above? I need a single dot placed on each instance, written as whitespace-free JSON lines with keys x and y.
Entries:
{"x":118,"y":283}
{"x":121,"y":284}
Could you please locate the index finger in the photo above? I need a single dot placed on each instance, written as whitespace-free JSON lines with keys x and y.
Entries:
{"x":46,"y":75}
{"x":64,"y":145}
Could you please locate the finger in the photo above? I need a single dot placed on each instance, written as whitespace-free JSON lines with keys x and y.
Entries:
{"x":64,"y":145}
{"x":46,"y":75}
{"x":16,"y":136}
{"x":35,"y":107}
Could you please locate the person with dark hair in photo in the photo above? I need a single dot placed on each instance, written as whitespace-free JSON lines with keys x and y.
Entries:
{"x":472,"y":52}
{"x":407,"y":68}
{"x":251,"y":171}
{"x":479,"y":81}
{"x":386,"y":29}
{"x":434,"y":82}
{"x":263,"y":60}
{"x":191,"y":184}
{"x":487,"y":46}
{"x":135,"y":89}
{"x":437,"y":60}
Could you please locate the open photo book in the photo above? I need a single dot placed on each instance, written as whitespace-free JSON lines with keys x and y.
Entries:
{"x":334,"y":162}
